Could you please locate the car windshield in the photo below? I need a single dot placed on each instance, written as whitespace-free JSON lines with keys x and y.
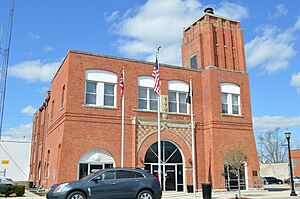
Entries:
{"x":90,"y":176}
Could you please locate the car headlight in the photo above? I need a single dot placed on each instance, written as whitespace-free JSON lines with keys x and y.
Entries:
{"x":60,"y":187}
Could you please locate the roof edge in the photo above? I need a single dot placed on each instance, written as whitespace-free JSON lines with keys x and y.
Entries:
{"x":212,"y":15}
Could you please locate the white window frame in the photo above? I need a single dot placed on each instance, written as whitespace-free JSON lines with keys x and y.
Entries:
{"x":147,"y":83}
{"x":101,"y":77}
{"x":231,"y":89}
{"x":95,"y":157}
{"x":178,"y":87}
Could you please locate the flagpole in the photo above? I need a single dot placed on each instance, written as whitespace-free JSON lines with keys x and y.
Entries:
{"x":123,"y":102}
{"x":158,"y":140}
{"x":193,"y":139}
{"x":158,"y":129}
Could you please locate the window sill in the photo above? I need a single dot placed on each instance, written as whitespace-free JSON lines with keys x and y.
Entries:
{"x":183,"y":114}
{"x":99,"y":107}
{"x":152,"y":111}
{"x":144,"y":110}
{"x":230,"y":115}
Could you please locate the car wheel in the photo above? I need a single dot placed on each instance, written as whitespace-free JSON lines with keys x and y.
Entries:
{"x":145,"y":195}
{"x":76,"y":195}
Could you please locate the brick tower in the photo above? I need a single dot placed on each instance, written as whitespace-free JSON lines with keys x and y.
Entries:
{"x":214,"y":45}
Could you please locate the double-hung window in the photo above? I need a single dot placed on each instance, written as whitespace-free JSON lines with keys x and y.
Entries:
{"x":177,"y":96}
{"x":91,"y":92}
{"x":109,"y":94}
{"x":147,"y":99}
{"x":100,"y":88}
{"x":230,"y":99}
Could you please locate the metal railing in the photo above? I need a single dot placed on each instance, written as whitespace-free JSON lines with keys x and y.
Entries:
{"x":253,"y":183}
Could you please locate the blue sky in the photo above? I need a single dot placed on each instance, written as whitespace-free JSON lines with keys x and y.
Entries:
{"x":44,"y":31}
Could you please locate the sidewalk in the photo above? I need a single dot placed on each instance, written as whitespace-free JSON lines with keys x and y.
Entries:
{"x":259,"y":194}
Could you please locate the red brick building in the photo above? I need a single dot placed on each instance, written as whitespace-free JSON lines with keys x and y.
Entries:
{"x":295,"y":155}
{"x":78,"y":127}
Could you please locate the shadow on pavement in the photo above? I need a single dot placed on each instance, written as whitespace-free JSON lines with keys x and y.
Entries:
{"x":276,"y":189}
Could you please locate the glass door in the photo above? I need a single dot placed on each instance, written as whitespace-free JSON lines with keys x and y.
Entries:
{"x":170,"y":177}
{"x":171,"y":165}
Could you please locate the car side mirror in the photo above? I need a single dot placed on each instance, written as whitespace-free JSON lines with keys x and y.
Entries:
{"x":97,"y":179}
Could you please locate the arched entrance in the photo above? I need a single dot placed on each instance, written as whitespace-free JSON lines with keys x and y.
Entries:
{"x":94,"y":160}
{"x":171,"y":167}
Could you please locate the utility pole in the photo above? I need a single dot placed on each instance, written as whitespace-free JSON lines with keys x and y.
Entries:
{"x":5,"y":53}
{"x":261,"y":149}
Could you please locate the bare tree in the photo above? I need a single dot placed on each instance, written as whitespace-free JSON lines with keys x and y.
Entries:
{"x":272,"y":146}
{"x":236,"y":157}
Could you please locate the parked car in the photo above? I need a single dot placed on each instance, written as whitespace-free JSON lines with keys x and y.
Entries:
{"x":110,"y":184}
{"x":296,"y":180}
{"x":4,"y":180}
{"x":272,"y":180}
{"x":7,"y":187}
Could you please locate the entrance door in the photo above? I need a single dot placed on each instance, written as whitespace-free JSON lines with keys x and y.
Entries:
{"x":171,"y":165}
{"x":170,"y":177}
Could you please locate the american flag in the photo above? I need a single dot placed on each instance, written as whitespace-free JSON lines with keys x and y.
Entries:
{"x":155,"y":75}
{"x":122,"y":82}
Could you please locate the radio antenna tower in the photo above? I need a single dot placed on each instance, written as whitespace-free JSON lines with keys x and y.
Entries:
{"x":5,"y":53}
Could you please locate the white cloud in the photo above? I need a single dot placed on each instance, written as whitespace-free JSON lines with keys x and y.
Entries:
{"x":281,"y":10}
{"x":112,"y":17}
{"x":34,"y":71}
{"x":28,"y":110}
{"x":48,"y":49}
{"x":297,"y":25}
{"x":33,"y":36}
{"x":264,"y":123}
{"x":232,"y":10}
{"x":295,"y":82}
{"x":272,"y":49}
{"x":24,"y":130}
{"x":161,"y":23}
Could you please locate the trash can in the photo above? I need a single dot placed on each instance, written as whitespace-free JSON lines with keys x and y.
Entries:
{"x":30,"y":184}
{"x":190,"y":188}
{"x":206,"y":190}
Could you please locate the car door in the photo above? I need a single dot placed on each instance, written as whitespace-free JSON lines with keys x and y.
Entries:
{"x":273,"y":180}
{"x":127,"y":183}
{"x":104,"y":186}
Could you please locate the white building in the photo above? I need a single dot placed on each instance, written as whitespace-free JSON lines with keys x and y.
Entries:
{"x":278,"y":170}
{"x":15,"y":158}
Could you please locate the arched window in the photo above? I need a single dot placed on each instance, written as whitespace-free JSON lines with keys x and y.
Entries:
{"x":100,"y":88}
{"x":96,"y":159}
{"x":147,"y":100}
{"x":230,"y":99}
{"x":178,"y":91}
